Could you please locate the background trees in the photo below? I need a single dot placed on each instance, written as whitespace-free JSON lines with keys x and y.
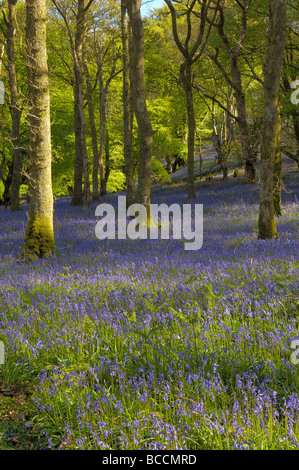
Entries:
{"x":191,"y":47}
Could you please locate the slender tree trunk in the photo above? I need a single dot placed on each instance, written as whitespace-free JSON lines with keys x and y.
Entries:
{"x":273,"y":64}
{"x":14,"y":106}
{"x":186,"y":77}
{"x":2,"y":141}
{"x":139,"y":99}
{"x":277,"y":171}
{"x":7,"y":185}
{"x":77,"y":198}
{"x":39,"y":237}
{"x":103,"y":107}
{"x":81,"y":162}
{"x":247,"y":152}
{"x":127,"y":110}
{"x":95,"y":170}
{"x":229,"y":120}
{"x":107,"y":157}
{"x":218,"y":143}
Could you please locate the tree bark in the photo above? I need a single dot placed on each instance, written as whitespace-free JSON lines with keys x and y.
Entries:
{"x":95,"y":169}
{"x":219,"y":140}
{"x":81,"y":169}
{"x":103,"y":107}
{"x":39,"y":237}
{"x":277,"y":171}
{"x":14,"y":106}
{"x":139,"y":101}
{"x":274,"y":57}
{"x":247,"y":152}
{"x":127,"y":110}
{"x":186,"y":78}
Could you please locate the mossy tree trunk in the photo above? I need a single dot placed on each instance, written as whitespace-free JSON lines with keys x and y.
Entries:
{"x":273,"y":64}
{"x":39,"y":237}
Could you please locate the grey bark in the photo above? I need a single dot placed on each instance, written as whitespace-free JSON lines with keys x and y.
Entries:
{"x":127,"y":109}
{"x":139,"y":102}
{"x":95,"y":169}
{"x":277,"y":171}
{"x":272,"y":73}
{"x":103,"y":106}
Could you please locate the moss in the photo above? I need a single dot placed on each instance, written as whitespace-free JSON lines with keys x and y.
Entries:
{"x":277,"y":203}
{"x":39,"y":238}
{"x":267,"y":230}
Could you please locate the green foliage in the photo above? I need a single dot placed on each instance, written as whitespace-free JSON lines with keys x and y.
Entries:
{"x":160,"y":174}
{"x":116,"y":181}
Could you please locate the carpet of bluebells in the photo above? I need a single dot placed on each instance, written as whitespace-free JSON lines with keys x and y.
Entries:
{"x":143,"y":345}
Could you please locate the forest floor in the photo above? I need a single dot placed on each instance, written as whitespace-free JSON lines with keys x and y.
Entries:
{"x":140,"y":344}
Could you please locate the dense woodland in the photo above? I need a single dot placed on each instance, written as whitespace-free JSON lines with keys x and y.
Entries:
{"x":129,"y":96}
{"x":139,"y":343}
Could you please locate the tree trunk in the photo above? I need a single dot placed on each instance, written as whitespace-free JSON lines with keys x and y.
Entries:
{"x":81,"y":162}
{"x":39,"y":237}
{"x":247,"y":152}
{"x":229,"y":119}
{"x":95,"y":169}
{"x":103,"y":107}
{"x":218,"y":142}
{"x":127,"y":110}
{"x":107,"y":157}
{"x":277,"y":172}
{"x":14,"y":106}
{"x":77,"y":198}
{"x":139,"y":100}
{"x":273,"y":64}
{"x":186,"y":77}
{"x":7,"y":185}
